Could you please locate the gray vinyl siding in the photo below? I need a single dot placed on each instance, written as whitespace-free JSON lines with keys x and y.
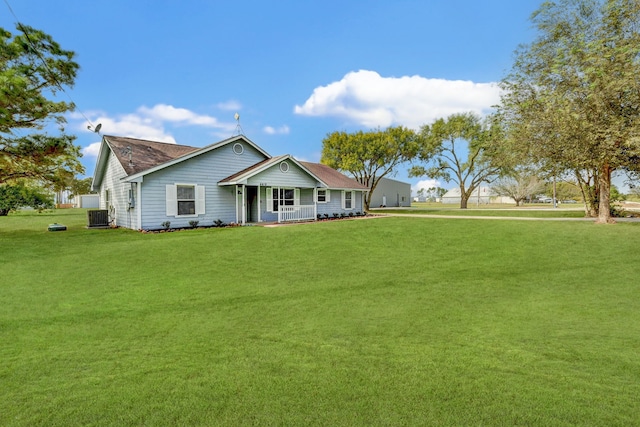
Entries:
{"x":207,"y":170}
{"x":264,"y":215}
{"x":306,"y":196}
{"x":334,"y":205}
{"x":274,"y":177}
{"x":118,"y":207}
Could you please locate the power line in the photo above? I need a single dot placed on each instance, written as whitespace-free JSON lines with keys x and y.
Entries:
{"x":46,"y":66}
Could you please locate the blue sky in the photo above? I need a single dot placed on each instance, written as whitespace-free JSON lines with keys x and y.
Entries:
{"x":178,"y":71}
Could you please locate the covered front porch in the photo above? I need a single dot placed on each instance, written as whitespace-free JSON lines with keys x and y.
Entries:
{"x":256,"y":204}
{"x":281,"y":190}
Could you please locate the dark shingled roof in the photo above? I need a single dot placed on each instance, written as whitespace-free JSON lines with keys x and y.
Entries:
{"x":144,"y":154}
{"x":332,"y":178}
{"x":148,"y":154}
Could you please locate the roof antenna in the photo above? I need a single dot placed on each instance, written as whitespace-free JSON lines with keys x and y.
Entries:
{"x":238,"y":130}
{"x":127,"y":151}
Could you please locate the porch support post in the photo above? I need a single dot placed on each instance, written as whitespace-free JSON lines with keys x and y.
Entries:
{"x":315,"y":204}
{"x":244,"y":205}
{"x":235,"y":195}
{"x":259,"y":207}
{"x":279,"y":207}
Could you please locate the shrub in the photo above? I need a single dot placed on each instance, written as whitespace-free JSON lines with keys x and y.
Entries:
{"x":166,"y":225}
{"x":218,"y":223}
{"x":193,"y":223}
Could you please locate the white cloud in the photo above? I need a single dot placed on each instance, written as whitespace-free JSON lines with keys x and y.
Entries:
{"x":136,"y":126}
{"x":92,"y":150}
{"x":230,"y":105}
{"x":169,"y":113}
{"x":426,"y":184}
{"x":150,"y":123}
{"x":282,"y":130}
{"x":368,"y":99}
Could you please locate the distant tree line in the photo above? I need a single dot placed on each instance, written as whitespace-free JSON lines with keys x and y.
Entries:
{"x":569,"y":113}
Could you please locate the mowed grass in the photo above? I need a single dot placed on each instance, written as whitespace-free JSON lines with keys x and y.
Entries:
{"x":385,"y":321}
{"x":498,"y":210}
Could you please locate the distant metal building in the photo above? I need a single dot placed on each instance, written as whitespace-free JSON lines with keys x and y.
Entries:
{"x":391,"y":193}
{"x":89,"y":201}
{"x":479,"y":196}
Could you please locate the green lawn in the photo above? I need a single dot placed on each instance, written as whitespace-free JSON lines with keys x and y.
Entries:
{"x":385,"y":321}
{"x":539,"y":210}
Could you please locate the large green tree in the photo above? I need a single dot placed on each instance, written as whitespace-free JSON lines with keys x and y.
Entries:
{"x":520,"y":183}
{"x":33,"y":70}
{"x":369,"y":156}
{"x":459,"y":149}
{"x":20,"y":194}
{"x":572,"y":98}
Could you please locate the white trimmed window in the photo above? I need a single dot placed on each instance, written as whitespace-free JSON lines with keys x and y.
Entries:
{"x":323,"y":196}
{"x":348,"y":200}
{"x":282,"y":197}
{"x":185,"y":200}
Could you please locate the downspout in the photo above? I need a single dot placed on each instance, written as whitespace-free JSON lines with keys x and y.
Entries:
{"x":139,"y":204}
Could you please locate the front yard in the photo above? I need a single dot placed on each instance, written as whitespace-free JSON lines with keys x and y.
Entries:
{"x":391,"y":321}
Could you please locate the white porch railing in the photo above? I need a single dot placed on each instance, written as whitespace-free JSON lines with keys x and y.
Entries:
{"x":296,"y":213}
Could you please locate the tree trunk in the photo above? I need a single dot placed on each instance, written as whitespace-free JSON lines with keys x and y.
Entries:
{"x":4,"y":212}
{"x":604,"y":207}
{"x":589,"y":196}
{"x":464,"y":199}
{"x":368,"y":194}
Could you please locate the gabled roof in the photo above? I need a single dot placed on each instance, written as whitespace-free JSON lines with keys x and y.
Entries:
{"x":332,"y":178}
{"x":151,"y":156}
{"x":252,"y":170}
{"x":327,"y":176}
{"x":140,"y":157}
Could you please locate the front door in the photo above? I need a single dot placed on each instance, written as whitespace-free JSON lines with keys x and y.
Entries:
{"x":252,"y":204}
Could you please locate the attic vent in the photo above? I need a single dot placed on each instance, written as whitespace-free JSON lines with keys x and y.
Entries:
{"x":284,"y":167}
{"x":238,"y":148}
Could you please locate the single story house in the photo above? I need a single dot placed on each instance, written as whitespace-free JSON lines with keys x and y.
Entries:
{"x":144,"y":185}
{"x":391,"y":193}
